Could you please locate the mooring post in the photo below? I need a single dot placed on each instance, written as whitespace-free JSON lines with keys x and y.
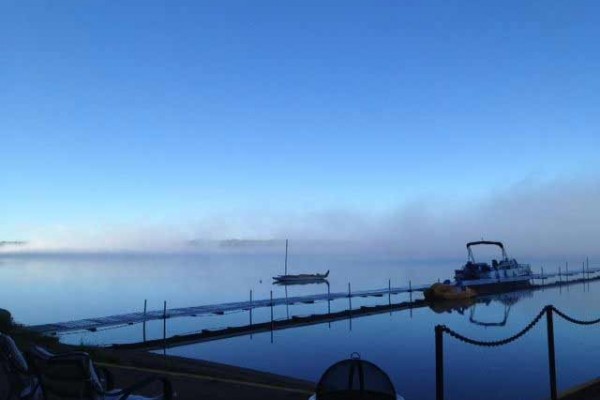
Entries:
{"x":410,"y":291}
{"x":567,"y":271}
{"x":439,"y":362}
{"x":587,"y":266}
{"x":390,"y":292}
{"x":251,"y":306}
{"x":551,"y":354}
{"x":165,"y":325}
{"x":144,"y":325}
{"x":271,"y":310}
{"x":328,"y":299}
{"x":559,"y":276}
{"x":271,"y":316}
{"x":349,"y":298}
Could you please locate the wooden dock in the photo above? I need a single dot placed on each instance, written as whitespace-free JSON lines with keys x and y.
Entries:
{"x":92,"y":324}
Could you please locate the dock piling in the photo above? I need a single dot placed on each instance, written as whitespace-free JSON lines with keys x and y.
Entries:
{"x":390,"y":292}
{"x":144,"y":324}
{"x":165,"y":326}
{"x":559,"y":275}
{"x":251,"y":307}
{"x":349,"y":297}
{"x":271,"y":316}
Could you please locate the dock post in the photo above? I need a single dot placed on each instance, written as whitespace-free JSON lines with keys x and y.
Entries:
{"x":551,"y":354}
{"x":328,"y":299}
{"x":271,"y":316}
{"x":144,"y":327}
{"x":390,"y":292}
{"x":328,"y":305}
{"x":251,"y":306}
{"x":410,"y":304}
{"x":349,"y":297}
{"x":350,"y":304}
{"x":559,"y":276}
{"x":587,"y":267}
{"x":567,"y":271}
{"x":439,"y":362}
{"x":165,"y":327}
{"x":271,"y":304}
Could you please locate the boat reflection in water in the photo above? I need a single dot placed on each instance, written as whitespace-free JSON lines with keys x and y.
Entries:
{"x":472,"y":304}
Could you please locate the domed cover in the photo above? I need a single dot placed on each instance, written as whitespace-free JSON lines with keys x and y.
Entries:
{"x":355,"y":379}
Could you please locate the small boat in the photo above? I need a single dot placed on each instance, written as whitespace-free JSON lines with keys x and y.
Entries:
{"x":298,"y":278}
{"x":506,"y":274}
{"x":443,"y":291}
{"x":301,"y":278}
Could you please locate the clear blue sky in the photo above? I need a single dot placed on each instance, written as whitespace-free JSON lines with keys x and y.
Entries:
{"x":121,"y":111}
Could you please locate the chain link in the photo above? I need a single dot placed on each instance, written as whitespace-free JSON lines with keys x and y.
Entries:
{"x":495,"y":343}
{"x":508,"y":340}
{"x":573,"y":320}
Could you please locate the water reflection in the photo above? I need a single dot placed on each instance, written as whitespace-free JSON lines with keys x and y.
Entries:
{"x":507,"y":300}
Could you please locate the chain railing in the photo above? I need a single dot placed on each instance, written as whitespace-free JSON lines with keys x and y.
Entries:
{"x":547,"y":311}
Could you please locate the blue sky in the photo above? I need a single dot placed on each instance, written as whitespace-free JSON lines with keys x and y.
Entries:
{"x":130,"y":112}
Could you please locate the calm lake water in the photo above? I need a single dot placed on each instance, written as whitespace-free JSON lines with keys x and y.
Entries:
{"x":43,"y":289}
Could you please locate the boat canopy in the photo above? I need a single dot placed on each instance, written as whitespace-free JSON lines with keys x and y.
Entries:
{"x":486,"y":242}
{"x":499,"y":244}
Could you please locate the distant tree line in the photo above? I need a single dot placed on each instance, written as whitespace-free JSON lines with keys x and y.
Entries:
{"x":12,"y":243}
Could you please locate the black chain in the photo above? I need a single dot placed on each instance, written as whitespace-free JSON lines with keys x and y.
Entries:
{"x":494,"y":343}
{"x":573,"y":320}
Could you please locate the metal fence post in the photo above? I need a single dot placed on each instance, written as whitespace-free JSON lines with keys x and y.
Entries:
{"x":165,"y":326}
{"x":251,"y":306}
{"x":439,"y":362}
{"x":551,"y":354}
{"x":144,"y":328}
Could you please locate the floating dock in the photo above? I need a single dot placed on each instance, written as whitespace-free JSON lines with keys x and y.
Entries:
{"x":92,"y":324}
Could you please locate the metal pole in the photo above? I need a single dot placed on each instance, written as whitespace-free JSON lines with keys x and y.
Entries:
{"x":286,"y":249}
{"x":251,"y":306}
{"x":328,"y":299}
{"x":271,"y":310}
{"x":390,"y":292}
{"x":410,"y":291}
{"x":145,"y":308}
{"x":328,"y":304}
{"x":587,"y":266}
{"x":350,"y":305}
{"x":551,"y":354}
{"x":272,"y":315}
{"x":165,"y":325}
{"x":567,"y":271}
{"x":439,"y":362}
{"x":559,"y":276}
{"x":349,"y":297}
